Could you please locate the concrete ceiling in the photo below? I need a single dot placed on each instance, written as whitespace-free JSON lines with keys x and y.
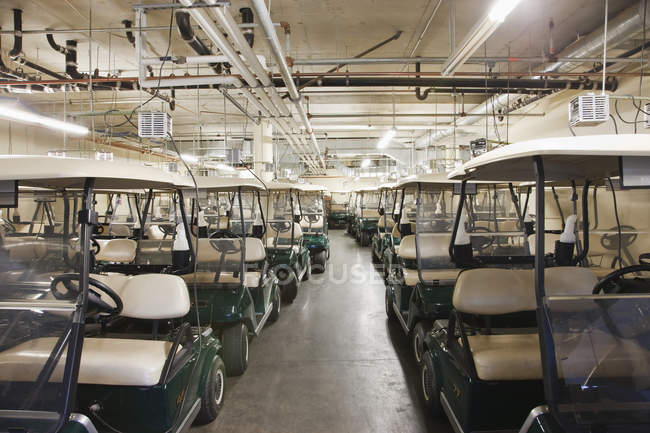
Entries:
{"x":319,"y":29}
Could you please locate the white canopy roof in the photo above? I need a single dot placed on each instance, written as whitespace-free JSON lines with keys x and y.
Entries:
{"x":217,"y":183}
{"x":312,"y":188}
{"x":71,"y":173}
{"x":285,"y":186}
{"x":584,"y":157}
{"x":437,"y":179}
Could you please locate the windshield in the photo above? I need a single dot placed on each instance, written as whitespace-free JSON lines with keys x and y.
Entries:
{"x":602,"y":346}
{"x":35,"y":318}
{"x":340,"y":199}
{"x":281,"y":231}
{"x":434,"y":224}
{"x":493,"y":222}
{"x":311,"y":204}
{"x":369,"y":204}
{"x":250,"y":212}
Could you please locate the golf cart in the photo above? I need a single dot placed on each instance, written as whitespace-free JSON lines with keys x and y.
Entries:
{"x":285,"y":248}
{"x":314,"y":226}
{"x":352,"y":209}
{"x":386,"y":223}
{"x":78,"y":349}
{"x":237,"y":289}
{"x":582,"y":361}
{"x":402,"y":222}
{"x":367,"y":215}
{"x":338,"y":216}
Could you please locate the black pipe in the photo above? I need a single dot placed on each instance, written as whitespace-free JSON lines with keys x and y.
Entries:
{"x":491,"y":85}
{"x":247,"y":18}
{"x":129,"y":34}
{"x":420,"y":96}
{"x":54,"y":45}
{"x":18,"y":34}
{"x":71,"y":61}
{"x":628,"y":53}
{"x":186,"y":32}
{"x":23,"y":61}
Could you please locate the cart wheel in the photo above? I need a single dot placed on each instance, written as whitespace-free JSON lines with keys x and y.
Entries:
{"x":417,"y":341}
{"x":364,"y":239}
{"x":235,"y":349}
{"x":386,"y":270}
{"x":213,"y":392}
{"x":429,"y":390}
{"x":307,"y":273}
{"x":288,"y":285}
{"x":275,"y":306}
{"x":320,"y":262}
{"x":390,"y":313}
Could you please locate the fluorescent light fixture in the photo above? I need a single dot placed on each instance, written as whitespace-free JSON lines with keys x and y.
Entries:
{"x":502,"y":9}
{"x":478,"y":35}
{"x":189,"y":158}
{"x":385,"y":140}
{"x":365,"y":163}
{"x":13,"y":113}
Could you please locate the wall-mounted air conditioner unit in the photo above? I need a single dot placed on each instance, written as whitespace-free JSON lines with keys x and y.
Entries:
{"x":589,"y":110}
{"x":154,"y":124}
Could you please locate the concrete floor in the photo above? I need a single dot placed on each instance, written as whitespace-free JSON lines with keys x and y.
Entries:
{"x":331,"y":363}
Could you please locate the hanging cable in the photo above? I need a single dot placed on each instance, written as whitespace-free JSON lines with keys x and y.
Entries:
{"x":619,"y":258}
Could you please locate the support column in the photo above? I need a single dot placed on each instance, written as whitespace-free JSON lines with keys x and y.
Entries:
{"x":263,"y":150}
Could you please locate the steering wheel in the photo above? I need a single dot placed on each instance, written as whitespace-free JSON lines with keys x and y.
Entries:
{"x":226,"y":247}
{"x":312,"y":218}
{"x":644,"y":259}
{"x":613,"y":277}
{"x":167,"y":230}
{"x":482,"y":242}
{"x":99,"y":229}
{"x":281,"y":227}
{"x":94,"y":298}
{"x":95,"y":246}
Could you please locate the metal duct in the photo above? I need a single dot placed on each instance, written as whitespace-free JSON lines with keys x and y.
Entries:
{"x":618,"y":29}
{"x":18,"y":34}
{"x":186,"y":32}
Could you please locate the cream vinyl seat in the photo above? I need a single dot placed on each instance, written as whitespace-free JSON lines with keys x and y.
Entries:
{"x":254,"y":252}
{"x":387,"y":225}
{"x":116,"y":250}
{"x":24,"y":248}
{"x":284,"y":238}
{"x":434,"y":247}
{"x":503,"y":291}
{"x":112,"y":361}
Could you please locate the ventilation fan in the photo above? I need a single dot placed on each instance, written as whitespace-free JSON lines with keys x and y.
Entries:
{"x":154,"y":124}
{"x":589,"y":110}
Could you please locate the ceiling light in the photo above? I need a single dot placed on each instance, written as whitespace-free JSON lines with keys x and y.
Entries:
{"x":366,"y":163}
{"x":478,"y":35}
{"x":502,"y":9}
{"x":13,"y":113}
{"x":385,"y":140}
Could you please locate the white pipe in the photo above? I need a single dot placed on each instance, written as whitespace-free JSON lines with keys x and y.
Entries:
{"x":276,"y":49}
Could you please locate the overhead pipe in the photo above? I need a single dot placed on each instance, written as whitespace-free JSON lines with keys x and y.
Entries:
{"x":619,"y":29}
{"x":186,"y":32}
{"x":18,"y":34}
{"x":247,"y":18}
{"x":499,"y":85}
{"x":272,"y":39}
{"x":277,"y":108}
{"x":129,"y":36}
{"x":421,"y":96}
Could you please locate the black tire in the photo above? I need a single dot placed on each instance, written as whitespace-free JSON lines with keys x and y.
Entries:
{"x":276,"y":306}
{"x":320,"y":262}
{"x":364,"y":239}
{"x":417,"y":341}
{"x":386,"y":267}
{"x":429,"y":389}
{"x":213,"y":393}
{"x":307,"y":274}
{"x":235,"y":349}
{"x":388,"y":304}
{"x":289,"y":288}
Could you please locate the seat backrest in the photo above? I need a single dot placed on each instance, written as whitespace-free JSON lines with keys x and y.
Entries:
{"x":255,"y":252}
{"x":433,"y":246}
{"x":25,"y":248}
{"x":549,"y":242}
{"x":119,"y":230}
{"x":155,"y":296}
{"x":116,"y":250}
{"x":154,"y":232}
{"x":370,"y":213}
{"x":337,"y":207}
{"x":501,"y":291}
